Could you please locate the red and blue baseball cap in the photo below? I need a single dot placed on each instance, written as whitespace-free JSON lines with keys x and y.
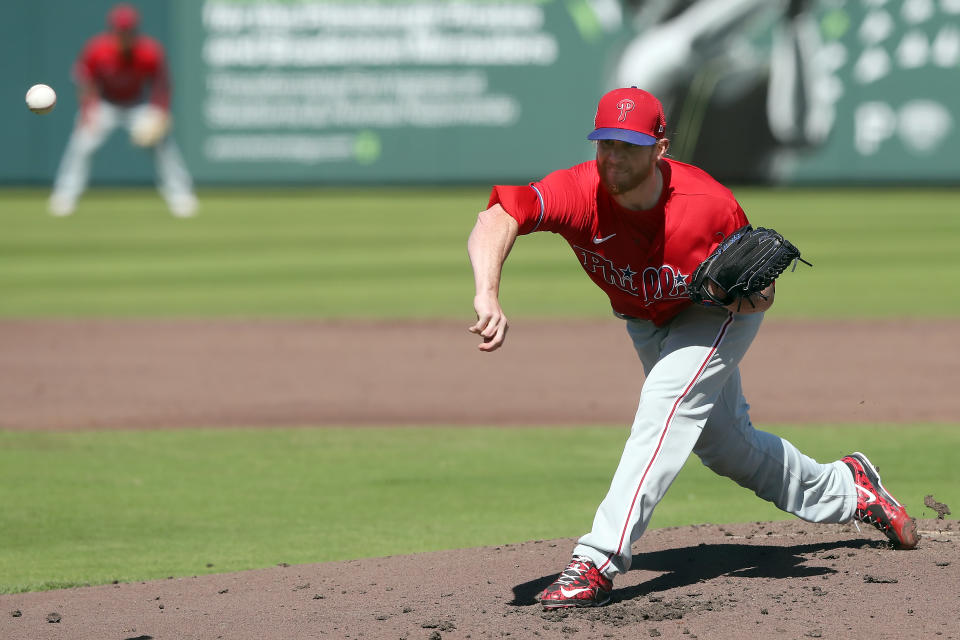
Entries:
{"x":631,"y":115}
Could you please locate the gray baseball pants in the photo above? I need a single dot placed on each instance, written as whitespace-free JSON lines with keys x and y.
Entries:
{"x":692,"y":401}
{"x":173,"y":180}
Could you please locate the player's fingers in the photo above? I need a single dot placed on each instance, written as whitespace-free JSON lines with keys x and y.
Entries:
{"x":487,"y":324}
{"x":480,"y":324}
{"x":495,"y":341}
{"x":490,"y":344}
{"x":492,"y":316}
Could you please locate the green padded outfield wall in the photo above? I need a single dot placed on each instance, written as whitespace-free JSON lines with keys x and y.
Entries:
{"x":437,"y":91}
{"x":39,"y":40}
{"x":427,"y":90}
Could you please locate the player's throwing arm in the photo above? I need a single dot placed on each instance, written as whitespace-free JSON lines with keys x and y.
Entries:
{"x":488,"y":246}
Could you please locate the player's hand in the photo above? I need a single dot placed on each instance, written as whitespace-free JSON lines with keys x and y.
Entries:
{"x":491,"y":323}
{"x":150,"y":126}
{"x":755,"y":303}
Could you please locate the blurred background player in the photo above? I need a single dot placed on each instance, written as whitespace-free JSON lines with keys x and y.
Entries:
{"x":113,"y":74}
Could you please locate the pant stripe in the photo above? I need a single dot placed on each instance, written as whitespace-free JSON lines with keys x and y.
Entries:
{"x":663,"y":435}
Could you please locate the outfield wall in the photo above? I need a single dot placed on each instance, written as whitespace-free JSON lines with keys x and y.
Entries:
{"x":39,"y":39}
{"x":435,"y":91}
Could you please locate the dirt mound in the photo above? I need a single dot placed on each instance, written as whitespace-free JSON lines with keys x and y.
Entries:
{"x":162,"y":374}
{"x":770,"y":580}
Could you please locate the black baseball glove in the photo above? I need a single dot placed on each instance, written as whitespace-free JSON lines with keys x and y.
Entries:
{"x":746,"y":262}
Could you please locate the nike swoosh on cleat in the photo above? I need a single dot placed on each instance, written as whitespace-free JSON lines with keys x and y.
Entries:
{"x":870,"y":494}
{"x":597,"y":240}
{"x":573,"y":592}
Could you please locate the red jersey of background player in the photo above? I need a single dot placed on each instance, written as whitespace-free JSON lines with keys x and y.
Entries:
{"x":641,"y":259}
{"x":120,"y":76}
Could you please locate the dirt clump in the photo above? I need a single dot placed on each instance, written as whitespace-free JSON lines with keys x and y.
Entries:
{"x":941,"y":509}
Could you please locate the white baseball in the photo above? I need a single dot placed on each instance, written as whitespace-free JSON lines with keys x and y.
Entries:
{"x":41,"y":98}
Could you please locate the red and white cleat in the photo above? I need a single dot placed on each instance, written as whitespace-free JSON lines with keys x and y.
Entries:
{"x":580,"y":585}
{"x":877,"y":507}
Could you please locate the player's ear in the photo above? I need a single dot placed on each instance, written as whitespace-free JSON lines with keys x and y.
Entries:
{"x":663,"y":144}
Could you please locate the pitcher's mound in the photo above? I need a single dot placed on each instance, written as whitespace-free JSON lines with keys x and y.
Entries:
{"x":759,"y":580}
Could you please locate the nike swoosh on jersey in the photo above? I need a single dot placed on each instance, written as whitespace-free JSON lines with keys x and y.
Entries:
{"x":573,"y":592}
{"x":602,"y":240}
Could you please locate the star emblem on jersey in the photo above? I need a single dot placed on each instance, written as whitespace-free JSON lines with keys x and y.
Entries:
{"x":655,"y":283}
{"x":599,"y":240}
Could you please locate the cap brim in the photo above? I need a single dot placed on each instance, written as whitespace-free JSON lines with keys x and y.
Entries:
{"x":624,"y":135}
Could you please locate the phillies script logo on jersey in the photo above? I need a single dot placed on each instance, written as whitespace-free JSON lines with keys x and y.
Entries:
{"x":625,"y":105}
{"x":653,"y":284}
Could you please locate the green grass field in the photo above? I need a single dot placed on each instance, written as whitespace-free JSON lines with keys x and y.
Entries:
{"x":93,"y":507}
{"x":401,"y":253}
{"x":100,"y":506}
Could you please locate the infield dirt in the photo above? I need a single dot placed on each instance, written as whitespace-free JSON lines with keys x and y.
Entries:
{"x":778,"y":580}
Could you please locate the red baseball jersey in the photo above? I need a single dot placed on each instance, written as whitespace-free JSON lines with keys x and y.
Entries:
{"x":122,"y":78}
{"x":641,"y":259}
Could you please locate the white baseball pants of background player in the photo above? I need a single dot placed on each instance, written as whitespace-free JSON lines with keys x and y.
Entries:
{"x":173,"y":179}
{"x":692,"y":401}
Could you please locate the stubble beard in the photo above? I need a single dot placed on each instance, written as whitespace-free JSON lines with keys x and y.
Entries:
{"x":625,"y":184}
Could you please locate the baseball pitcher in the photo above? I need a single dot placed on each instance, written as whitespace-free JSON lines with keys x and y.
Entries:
{"x":682,"y":266}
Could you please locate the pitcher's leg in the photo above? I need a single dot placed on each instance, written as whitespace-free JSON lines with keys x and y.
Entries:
{"x":771,"y":466}
{"x":659,"y":443}
{"x":700,"y":350}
